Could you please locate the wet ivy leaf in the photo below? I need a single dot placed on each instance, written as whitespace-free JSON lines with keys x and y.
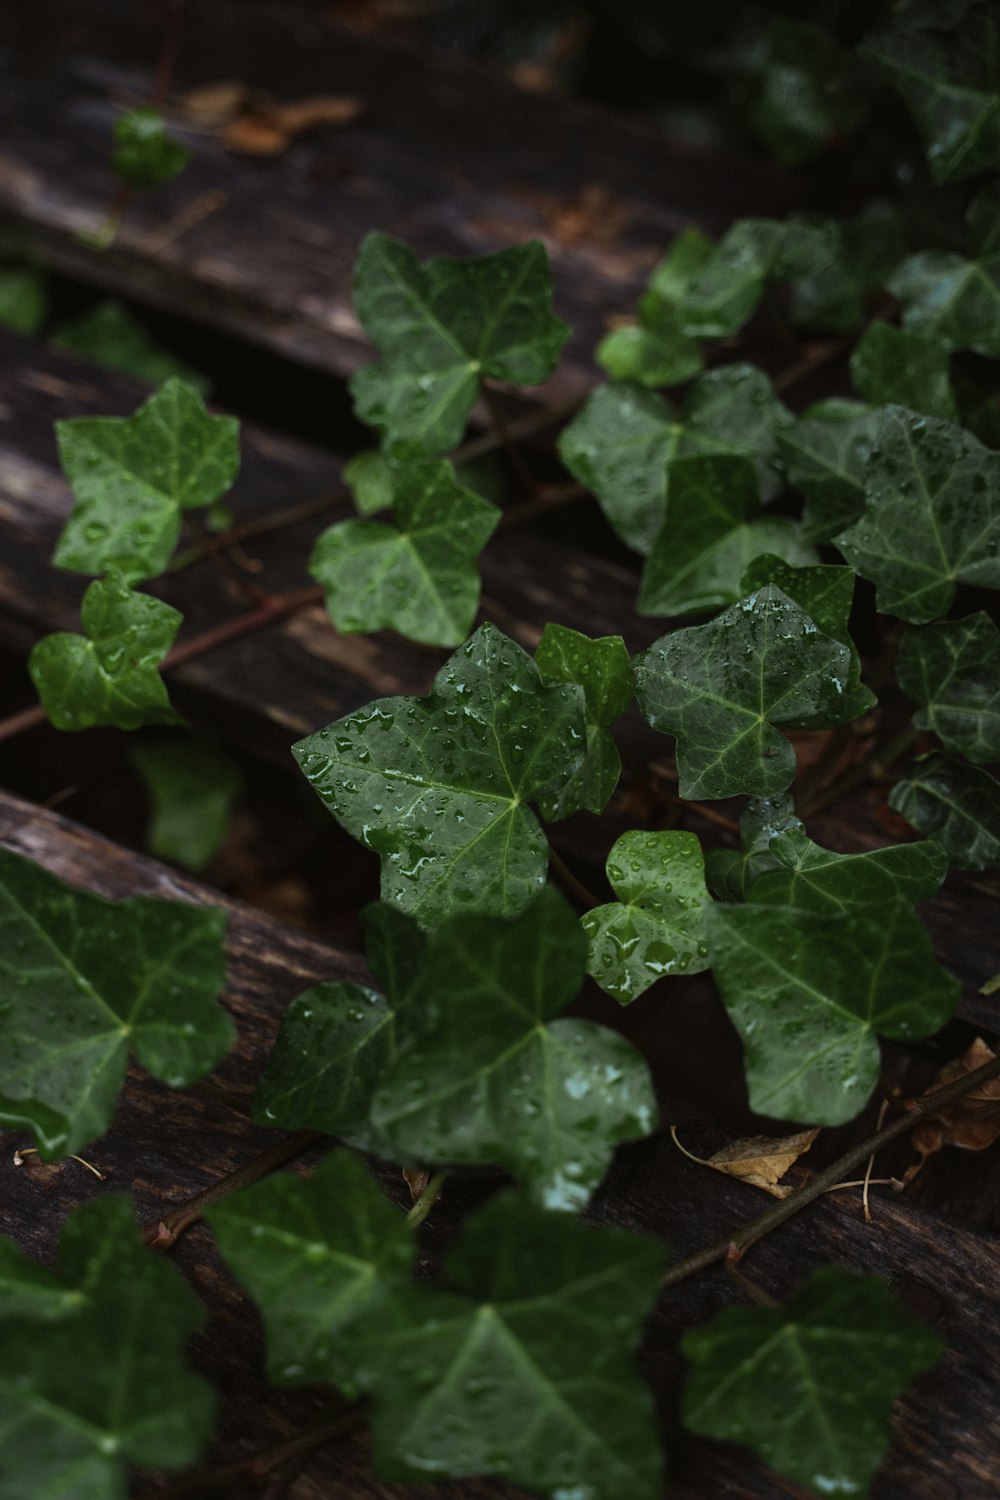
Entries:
{"x":721,"y":298}
{"x":906,"y":368}
{"x":864,"y":251}
{"x":132,"y":477}
{"x":955,"y":803}
{"x":730,"y":871}
{"x":24,"y":297}
{"x":944,"y":63}
{"x":85,"y":1393}
{"x":83,"y":981}
{"x":713,"y":529}
{"x":809,"y":1385}
{"x":319,"y":1258}
{"x":438,"y":785}
{"x":932,"y":516}
{"x":825,"y":451}
{"x":654,"y":351}
{"x":443,"y":326}
{"x":735,"y":407}
{"x":191,"y":786}
{"x":951,"y":297}
{"x":146,"y":154}
{"x":108,"y":675}
{"x":109,"y":335}
{"x":656,"y":926}
{"x":370,"y":476}
{"x":602,"y":668}
{"x":811,"y":92}
{"x":809,"y":990}
{"x":720,"y":688}
{"x":485,"y":1074}
{"x":816,"y":879}
{"x":522,"y":1366}
{"x":953,"y":668}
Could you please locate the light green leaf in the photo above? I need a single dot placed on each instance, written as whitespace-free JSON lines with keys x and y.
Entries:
{"x":721,"y":687}
{"x":24,"y":297}
{"x":897,"y":365}
{"x":84,"y":1394}
{"x":714,"y":528}
{"x":443,"y":326}
{"x":438,"y":785}
{"x":523,"y":1370}
{"x":654,"y":351}
{"x":809,"y":1385}
{"x":805,"y":875}
{"x":417,"y":576}
{"x":110,"y":336}
{"x":191,"y":785}
{"x":955,"y":803}
{"x":720,"y":299}
{"x":369,"y":475}
{"x":109,"y":675}
{"x":932,"y":516}
{"x":132,"y":477}
{"x":83,"y":981}
{"x":953,"y":668}
{"x":825,"y":451}
{"x":656,"y":926}
{"x":602,"y":668}
{"x":319,"y":1257}
{"x":146,"y":154}
{"x":809,"y":990}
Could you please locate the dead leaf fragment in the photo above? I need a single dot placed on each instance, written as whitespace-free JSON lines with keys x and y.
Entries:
{"x":416,"y":1179}
{"x":972,"y":1122}
{"x":763,"y":1160}
{"x":212,"y":104}
{"x":266,"y":129}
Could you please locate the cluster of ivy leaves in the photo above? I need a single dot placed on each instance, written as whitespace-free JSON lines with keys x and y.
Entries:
{"x":753,"y":524}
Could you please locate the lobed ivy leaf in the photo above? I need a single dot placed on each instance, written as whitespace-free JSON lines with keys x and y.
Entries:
{"x":656,"y":926}
{"x":932,"y":516}
{"x":108,"y":675}
{"x":722,"y":296}
{"x":906,"y":368}
{"x":443,"y":326}
{"x":825,"y":451}
{"x":83,"y":981}
{"x":720,"y":688}
{"x":654,"y":351}
{"x":810,"y":92}
{"x":713,"y":529}
{"x":730,"y":871}
{"x":84,"y":1389}
{"x":602,"y":668}
{"x":132,"y":477}
{"x":320,"y":1258}
{"x":191,"y":786}
{"x":953,"y":668}
{"x":147,"y":156}
{"x":24,"y":296}
{"x":955,"y":803}
{"x":953,"y":296}
{"x":521,"y":1366}
{"x":109,"y":335}
{"x":864,"y":251}
{"x":809,"y":1385}
{"x":808,"y":990}
{"x":417,"y":576}
{"x":438,"y":786}
{"x":370,"y":477}
{"x":804,"y":875}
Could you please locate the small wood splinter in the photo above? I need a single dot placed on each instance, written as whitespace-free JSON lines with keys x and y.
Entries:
{"x":33,"y":1151}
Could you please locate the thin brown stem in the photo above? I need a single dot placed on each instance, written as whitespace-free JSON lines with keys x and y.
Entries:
{"x":513,"y":453}
{"x":168,"y":55}
{"x":549,"y":497}
{"x":276,"y":607}
{"x":732,"y":1246}
{"x":813,"y":359}
{"x":571,"y":881}
{"x":20,"y":723}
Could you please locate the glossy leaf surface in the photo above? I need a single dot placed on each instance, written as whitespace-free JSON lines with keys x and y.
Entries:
{"x":654,"y":351}
{"x":953,"y":668}
{"x":805,"y":875}
{"x":825,"y":452}
{"x":722,"y":296}
{"x":907,"y":368}
{"x":602,"y":668}
{"x":955,"y":803}
{"x":952,"y":297}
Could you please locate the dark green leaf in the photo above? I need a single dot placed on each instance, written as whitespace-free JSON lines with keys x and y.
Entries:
{"x":370,"y":477}
{"x":805,"y":875}
{"x":810,"y":1385}
{"x":110,"y":336}
{"x":417,"y":576}
{"x":825,"y":452}
{"x":956,"y":297}
{"x":523,"y":1370}
{"x":810,"y":93}
{"x":318,"y":1257}
{"x":864,"y":250}
{"x":146,"y":155}
{"x":656,"y":926}
{"x":722,"y":296}
{"x":85,"y":1393}
{"x":953,"y":668}
{"x":443,"y":326}
{"x":932,"y":516}
{"x":132,"y":477}
{"x":28,"y":1290}
{"x":957,"y":804}
{"x":83,"y":981}
{"x":721,"y":687}
{"x":808,"y":990}
{"x":897,"y":365}
{"x":438,"y":785}
{"x":734,"y":410}
{"x":109,"y":675}
{"x":24,"y":298}
{"x":730,"y":871}
{"x":191,"y":785}
{"x":603,"y":670}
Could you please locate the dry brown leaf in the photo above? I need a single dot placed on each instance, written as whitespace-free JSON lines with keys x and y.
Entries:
{"x":763,"y":1160}
{"x":213,"y":104}
{"x":416,"y":1179}
{"x":972,"y":1122}
{"x":266,"y":129}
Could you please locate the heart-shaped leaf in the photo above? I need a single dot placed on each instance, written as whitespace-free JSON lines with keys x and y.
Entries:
{"x":602,"y":668}
{"x":955,"y":803}
{"x":825,"y":452}
{"x":953,"y":668}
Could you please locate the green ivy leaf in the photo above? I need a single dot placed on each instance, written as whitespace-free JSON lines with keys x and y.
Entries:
{"x":721,"y":687}
{"x":191,"y":785}
{"x":109,"y":675}
{"x":370,"y":477}
{"x":951,"y":297}
{"x":602,"y":668}
{"x":443,"y":326}
{"x":438,"y":785}
{"x":864,"y":251}
{"x":825,"y":452}
{"x":815,"y":879}
{"x":24,"y":297}
{"x":146,"y":155}
{"x":522,"y":1368}
{"x":656,"y":926}
{"x":955,"y":803}
{"x":84,"y":980}
{"x":654,"y":351}
{"x":953,"y":668}
{"x":809,"y":1385}
{"x":944,"y":63}
{"x":713,"y":529}
{"x":109,"y":335}
{"x":721,"y":298}
{"x":132,"y":477}
{"x":811,"y":91}
{"x":417,"y":576}
{"x":85,"y":1390}
{"x":808,"y":990}
{"x":730,"y":871}
{"x":897,"y":365}
{"x":319,"y":1257}
{"x":28,"y":1290}
{"x":932,"y":516}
